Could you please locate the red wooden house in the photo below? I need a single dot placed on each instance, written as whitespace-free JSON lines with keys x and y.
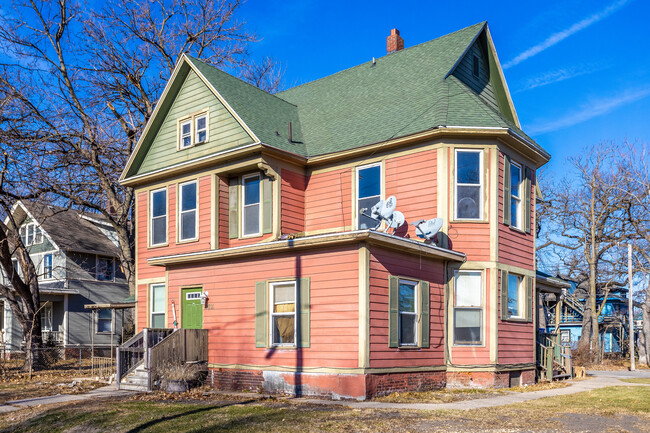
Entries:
{"x":252,"y":203}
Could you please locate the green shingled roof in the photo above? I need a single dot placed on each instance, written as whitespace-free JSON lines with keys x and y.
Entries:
{"x":402,"y":93}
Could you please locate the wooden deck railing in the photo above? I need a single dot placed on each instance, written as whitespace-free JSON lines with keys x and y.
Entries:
{"x":553,"y":356}
{"x":156,"y":347}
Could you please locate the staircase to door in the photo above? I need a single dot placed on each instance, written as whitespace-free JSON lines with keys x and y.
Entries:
{"x":140,"y":357}
{"x":553,"y":358}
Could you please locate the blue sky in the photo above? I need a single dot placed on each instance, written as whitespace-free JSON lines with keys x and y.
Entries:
{"x":578,"y":71}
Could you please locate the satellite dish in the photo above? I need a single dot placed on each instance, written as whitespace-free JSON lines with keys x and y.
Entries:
{"x":427,"y":229}
{"x":384,"y":210}
{"x":397,"y":220}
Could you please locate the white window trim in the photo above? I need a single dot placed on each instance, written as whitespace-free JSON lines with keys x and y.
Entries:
{"x":416,"y":313}
{"x":196,"y":131}
{"x":243,"y":206}
{"x":182,"y":123}
{"x":192,"y":120}
{"x":382,"y":193}
{"x":272,"y":314}
{"x":97,"y":319}
{"x":521,"y":306}
{"x":151,"y":217}
{"x":519,"y":198}
{"x":481,"y":182}
{"x":112,"y":259}
{"x":181,"y":212}
{"x":151,"y":310}
{"x":44,"y":273}
{"x":33,"y":227}
{"x":481,"y":308}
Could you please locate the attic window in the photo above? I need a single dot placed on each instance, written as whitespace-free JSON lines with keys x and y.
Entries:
{"x":475,"y":70}
{"x":31,"y":234}
{"x":193,"y":130}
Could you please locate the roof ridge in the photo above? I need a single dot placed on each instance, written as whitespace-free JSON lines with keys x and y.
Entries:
{"x":395,"y":53}
{"x":194,"y":59}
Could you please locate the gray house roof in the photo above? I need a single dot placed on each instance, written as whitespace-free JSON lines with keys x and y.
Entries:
{"x":71,"y":230}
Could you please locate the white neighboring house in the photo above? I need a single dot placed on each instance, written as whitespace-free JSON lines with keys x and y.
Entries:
{"x":76,"y":256}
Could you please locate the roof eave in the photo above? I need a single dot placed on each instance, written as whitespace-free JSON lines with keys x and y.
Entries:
{"x":310,"y":242}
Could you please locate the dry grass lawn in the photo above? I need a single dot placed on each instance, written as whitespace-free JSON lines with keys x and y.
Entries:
{"x":607,"y":409}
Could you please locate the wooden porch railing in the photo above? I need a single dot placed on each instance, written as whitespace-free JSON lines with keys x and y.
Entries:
{"x":160,"y":346}
{"x":553,"y":356}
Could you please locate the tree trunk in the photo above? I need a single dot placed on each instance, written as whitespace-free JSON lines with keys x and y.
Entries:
{"x":33,"y":342}
{"x":644,"y":335}
{"x":594,"y":336}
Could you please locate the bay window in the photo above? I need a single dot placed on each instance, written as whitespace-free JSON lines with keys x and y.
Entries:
{"x":468,"y":308}
{"x":468,"y":184}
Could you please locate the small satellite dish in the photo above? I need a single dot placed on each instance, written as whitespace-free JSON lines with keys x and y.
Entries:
{"x":384,"y":210}
{"x":397,"y":220}
{"x":427,"y":229}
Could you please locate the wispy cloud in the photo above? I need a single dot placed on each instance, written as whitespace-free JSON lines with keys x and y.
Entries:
{"x":556,"y":76}
{"x":589,"y":111}
{"x":560,"y":36}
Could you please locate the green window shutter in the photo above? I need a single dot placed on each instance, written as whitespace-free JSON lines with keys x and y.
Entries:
{"x":393,"y":311}
{"x":529,"y":299}
{"x":504,"y":295}
{"x":261,"y":314}
{"x":528,"y":177}
{"x":506,"y":190}
{"x":233,"y":208}
{"x":303,"y":338}
{"x":267,"y":208}
{"x":424,"y":314}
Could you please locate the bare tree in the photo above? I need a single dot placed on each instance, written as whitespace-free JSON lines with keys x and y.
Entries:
{"x":84,"y":81}
{"x":634,"y":165}
{"x":585,"y":219}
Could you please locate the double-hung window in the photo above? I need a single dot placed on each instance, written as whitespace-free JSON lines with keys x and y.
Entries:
{"x":193,"y":130}
{"x":188,"y":214}
{"x":104,"y":320}
{"x":46,"y":316}
{"x":468,"y":308}
{"x":158,"y":217}
{"x":186,"y":134}
{"x":408,"y":313}
{"x":515,"y":195}
{"x":201,"y":127}
{"x":469,"y":188}
{"x":251,"y":207}
{"x":368,"y":193}
{"x":515,"y":296}
{"x":157,"y":306}
{"x":47,"y":266}
{"x":105,"y":269}
{"x":31,"y":234}
{"x":283,"y":313}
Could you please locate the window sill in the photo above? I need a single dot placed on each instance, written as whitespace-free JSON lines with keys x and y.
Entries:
{"x":473,"y":221}
{"x":475,"y":345}
{"x":518,"y":230}
{"x":151,"y":247}
{"x":187,"y":241}
{"x":283,"y":348}
{"x":409,"y":347}
{"x":517,"y":320}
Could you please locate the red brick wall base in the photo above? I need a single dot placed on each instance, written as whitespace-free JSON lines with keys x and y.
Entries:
{"x":489,"y":379}
{"x":336,"y":386}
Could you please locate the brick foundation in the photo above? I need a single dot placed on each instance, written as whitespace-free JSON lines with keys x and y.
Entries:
{"x":336,"y":386}
{"x":489,"y":379}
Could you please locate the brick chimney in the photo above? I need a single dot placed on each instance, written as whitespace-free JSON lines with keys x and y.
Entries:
{"x":394,"y":42}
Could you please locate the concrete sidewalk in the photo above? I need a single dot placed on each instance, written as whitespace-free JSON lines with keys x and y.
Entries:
{"x":600,"y":380}
{"x":103,"y":392}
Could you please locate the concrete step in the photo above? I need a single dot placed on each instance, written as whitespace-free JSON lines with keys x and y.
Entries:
{"x":130,"y":387}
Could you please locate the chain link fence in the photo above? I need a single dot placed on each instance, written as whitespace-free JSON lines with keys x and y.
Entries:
{"x":60,"y":361}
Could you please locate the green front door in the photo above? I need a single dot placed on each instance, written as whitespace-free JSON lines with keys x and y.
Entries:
{"x":192,"y":311}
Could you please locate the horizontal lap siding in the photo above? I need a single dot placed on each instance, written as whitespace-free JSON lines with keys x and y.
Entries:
{"x":230,"y":316}
{"x":293,"y":202}
{"x":515,"y":248}
{"x":412,"y":179}
{"x":141,"y":306}
{"x":328,"y":200}
{"x":516,"y":339}
{"x":387,"y":262}
{"x":473,"y":239}
{"x":476,"y":355}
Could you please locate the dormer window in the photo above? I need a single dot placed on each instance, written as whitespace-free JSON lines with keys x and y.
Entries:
{"x":193,"y":130}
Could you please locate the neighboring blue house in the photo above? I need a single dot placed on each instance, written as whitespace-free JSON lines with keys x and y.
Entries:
{"x":557,"y":296}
